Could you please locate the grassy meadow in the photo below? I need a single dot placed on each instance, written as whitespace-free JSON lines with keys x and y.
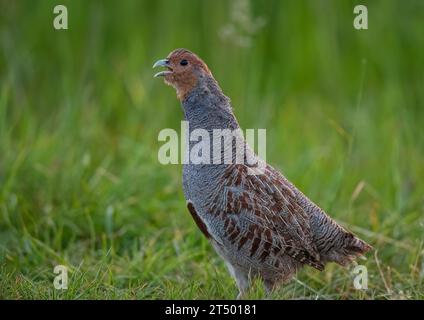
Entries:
{"x":80,"y":113}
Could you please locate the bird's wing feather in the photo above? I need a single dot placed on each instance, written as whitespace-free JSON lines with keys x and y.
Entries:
{"x":262,"y":211}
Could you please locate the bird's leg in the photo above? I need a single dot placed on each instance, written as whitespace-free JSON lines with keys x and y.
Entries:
{"x":240,"y":295}
{"x":242,"y":279}
{"x":269,"y":288}
{"x":242,"y":284}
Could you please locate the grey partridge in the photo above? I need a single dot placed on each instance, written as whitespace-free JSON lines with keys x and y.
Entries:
{"x":260,"y":224}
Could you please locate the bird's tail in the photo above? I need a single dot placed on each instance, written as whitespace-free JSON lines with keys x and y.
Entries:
{"x":333,"y":242}
{"x":353,"y":248}
{"x":339,"y":245}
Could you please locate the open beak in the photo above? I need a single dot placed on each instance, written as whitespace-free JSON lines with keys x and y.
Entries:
{"x":162,"y":63}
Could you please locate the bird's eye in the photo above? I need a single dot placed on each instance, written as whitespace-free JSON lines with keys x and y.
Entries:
{"x":184,"y":62}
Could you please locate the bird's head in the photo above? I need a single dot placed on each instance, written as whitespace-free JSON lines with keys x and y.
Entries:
{"x":184,"y":70}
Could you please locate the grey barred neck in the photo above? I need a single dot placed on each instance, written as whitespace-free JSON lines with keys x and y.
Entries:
{"x":206,"y":107}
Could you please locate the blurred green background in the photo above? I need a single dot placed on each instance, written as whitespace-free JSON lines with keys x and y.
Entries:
{"x":80,"y":183}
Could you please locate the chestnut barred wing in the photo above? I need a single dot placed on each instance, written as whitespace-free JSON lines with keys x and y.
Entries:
{"x":262,"y":217}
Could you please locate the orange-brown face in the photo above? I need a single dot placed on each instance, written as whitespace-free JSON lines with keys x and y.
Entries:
{"x":183,"y":71}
